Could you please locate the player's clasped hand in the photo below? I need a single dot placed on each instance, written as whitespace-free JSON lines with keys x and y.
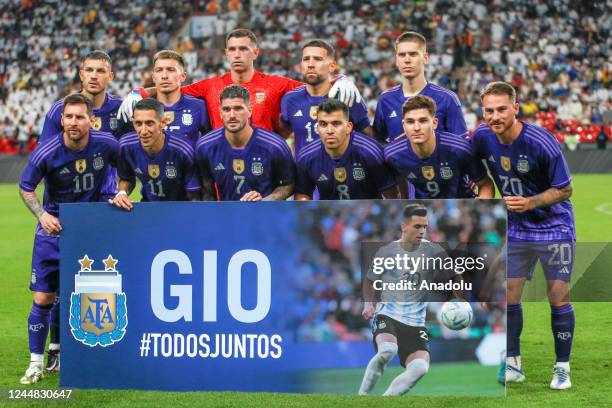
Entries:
{"x":518,"y":203}
{"x":50,"y":223}
{"x":122,"y":201}
{"x":251,"y":196}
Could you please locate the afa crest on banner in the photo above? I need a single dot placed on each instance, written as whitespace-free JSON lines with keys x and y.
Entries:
{"x":98,"y":310}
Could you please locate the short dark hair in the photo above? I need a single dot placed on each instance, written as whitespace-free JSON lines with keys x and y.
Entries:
{"x":78,"y":99}
{"x":169,"y":54}
{"x":241,"y":33}
{"x":235,"y":91}
{"x":150,"y":104}
{"x":321,"y":44}
{"x":419,"y":102}
{"x":414,"y":209}
{"x":411,"y":36}
{"x":98,"y":55}
{"x":331,"y":105}
{"x":499,"y":88}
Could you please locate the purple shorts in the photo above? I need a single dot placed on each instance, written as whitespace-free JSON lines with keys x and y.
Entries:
{"x":557,"y":259}
{"x":45,"y":262}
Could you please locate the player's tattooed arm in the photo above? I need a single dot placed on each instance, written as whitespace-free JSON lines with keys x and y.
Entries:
{"x":208,"y":193}
{"x":552,"y":196}
{"x":30,"y":199}
{"x":281,"y":192}
{"x":47,"y":221}
{"x":545,"y":199}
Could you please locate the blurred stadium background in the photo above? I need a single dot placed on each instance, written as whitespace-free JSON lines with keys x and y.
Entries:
{"x":556,"y":53}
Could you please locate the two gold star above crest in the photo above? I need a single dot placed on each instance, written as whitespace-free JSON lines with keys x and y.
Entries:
{"x":109,"y":263}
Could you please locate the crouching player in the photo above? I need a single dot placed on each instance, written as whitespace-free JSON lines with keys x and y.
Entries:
{"x":163,"y":162}
{"x":74,"y":164}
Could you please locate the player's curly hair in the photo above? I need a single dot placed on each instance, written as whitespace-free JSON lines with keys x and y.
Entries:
{"x":78,"y":99}
{"x":235,"y":91}
{"x":419,"y":102}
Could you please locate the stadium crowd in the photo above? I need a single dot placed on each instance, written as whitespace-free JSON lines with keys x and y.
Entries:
{"x":327,"y":284}
{"x":554,"y":51}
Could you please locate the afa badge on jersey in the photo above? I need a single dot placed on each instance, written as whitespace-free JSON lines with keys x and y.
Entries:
{"x":98,"y":310}
{"x":257,"y":168}
{"x":187,"y":119}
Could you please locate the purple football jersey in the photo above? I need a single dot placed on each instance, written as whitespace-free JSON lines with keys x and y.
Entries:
{"x":188,"y":118}
{"x":360,"y":173}
{"x":388,"y":117}
{"x":70,"y":176}
{"x":262,"y":165}
{"x":299,"y":111}
{"x":105,"y":118}
{"x":166,"y":176}
{"x":532,"y":164}
{"x":440,"y":175}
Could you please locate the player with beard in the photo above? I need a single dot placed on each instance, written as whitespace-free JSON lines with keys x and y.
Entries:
{"x":266,"y":91}
{"x":241,"y":161}
{"x":299,"y":107}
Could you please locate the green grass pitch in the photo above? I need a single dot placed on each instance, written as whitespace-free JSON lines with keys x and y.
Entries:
{"x":442,"y":387}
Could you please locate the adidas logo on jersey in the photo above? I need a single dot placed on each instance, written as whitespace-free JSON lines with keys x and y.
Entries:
{"x":220,"y":167}
{"x":323,"y":177}
{"x":411,"y":176}
{"x":138,"y":171}
{"x":65,"y":171}
{"x":564,"y":270}
{"x":393,"y":115}
{"x":492,"y":159}
{"x":298,"y":113}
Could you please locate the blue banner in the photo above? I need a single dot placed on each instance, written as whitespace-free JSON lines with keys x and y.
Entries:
{"x":212,"y":296}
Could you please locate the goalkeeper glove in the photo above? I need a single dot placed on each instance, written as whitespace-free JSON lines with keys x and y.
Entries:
{"x":126,"y":110}
{"x":345,"y":89}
